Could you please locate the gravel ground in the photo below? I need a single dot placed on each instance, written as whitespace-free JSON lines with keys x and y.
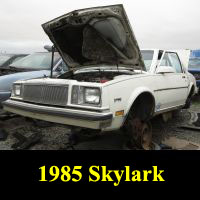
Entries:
{"x":56,"y":137}
{"x":162,"y":131}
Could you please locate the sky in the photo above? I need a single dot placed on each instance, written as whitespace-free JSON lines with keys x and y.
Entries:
{"x":163,"y":24}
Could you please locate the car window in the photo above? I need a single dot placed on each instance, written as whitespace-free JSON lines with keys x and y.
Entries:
{"x":36,"y":61}
{"x":171,"y":60}
{"x":64,"y":66}
{"x":147,"y":56}
{"x":17,"y":58}
{"x":175,"y":62}
{"x":166,"y":61}
{"x":4,"y":58}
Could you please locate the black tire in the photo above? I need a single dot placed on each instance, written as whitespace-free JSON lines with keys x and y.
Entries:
{"x":188,"y":103}
{"x":189,"y":99}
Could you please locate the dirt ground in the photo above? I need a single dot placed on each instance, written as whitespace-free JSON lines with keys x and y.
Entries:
{"x":50,"y":136}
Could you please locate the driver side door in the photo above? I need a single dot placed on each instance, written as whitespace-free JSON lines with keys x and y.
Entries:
{"x":172,"y":88}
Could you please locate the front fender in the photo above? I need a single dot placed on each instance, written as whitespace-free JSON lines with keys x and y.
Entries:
{"x":134,"y":96}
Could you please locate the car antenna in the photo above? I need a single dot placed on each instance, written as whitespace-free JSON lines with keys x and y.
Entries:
{"x":52,"y":61}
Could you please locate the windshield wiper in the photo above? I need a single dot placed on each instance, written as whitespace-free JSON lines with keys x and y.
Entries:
{"x":19,"y":69}
{"x":12,"y":67}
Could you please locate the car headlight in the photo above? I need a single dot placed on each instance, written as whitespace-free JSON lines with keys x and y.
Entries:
{"x":85,"y":95}
{"x":17,"y":90}
{"x":92,"y":95}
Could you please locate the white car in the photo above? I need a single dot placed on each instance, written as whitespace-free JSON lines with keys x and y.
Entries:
{"x":108,"y":86}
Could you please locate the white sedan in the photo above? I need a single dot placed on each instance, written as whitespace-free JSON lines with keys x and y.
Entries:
{"x":108,"y":85}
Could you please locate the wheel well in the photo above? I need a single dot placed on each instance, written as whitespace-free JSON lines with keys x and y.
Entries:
{"x":191,"y":91}
{"x":143,"y":106}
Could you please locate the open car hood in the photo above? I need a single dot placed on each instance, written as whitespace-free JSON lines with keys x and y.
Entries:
{"x":93,"y":36}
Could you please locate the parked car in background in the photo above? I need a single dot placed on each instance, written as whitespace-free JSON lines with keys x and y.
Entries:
{"x":111,"y":84}
{"x":195,"y":53}
{"x":36,"y":65}
{"x":7,"y":59}
{"x":194,"y":68}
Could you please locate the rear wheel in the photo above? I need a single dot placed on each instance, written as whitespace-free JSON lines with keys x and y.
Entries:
{"x":189,"y":99}
{"x":188,"y":102}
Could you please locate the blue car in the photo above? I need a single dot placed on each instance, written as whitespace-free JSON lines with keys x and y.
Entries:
{"x":194,"y":69}
{"x":36,"y":65}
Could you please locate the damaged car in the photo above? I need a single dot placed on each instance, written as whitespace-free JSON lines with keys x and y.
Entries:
{"x":110,"y":84}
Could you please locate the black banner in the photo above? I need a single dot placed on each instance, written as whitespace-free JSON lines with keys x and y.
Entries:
{"x":108,"y":169}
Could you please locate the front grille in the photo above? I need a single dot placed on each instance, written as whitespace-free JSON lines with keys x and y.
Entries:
{"x":46,"y":94}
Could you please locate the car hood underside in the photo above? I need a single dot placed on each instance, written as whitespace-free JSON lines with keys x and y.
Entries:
{"x":94,"y":36}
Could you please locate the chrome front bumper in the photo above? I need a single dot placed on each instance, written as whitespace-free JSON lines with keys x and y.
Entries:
{"x":69,"y":116}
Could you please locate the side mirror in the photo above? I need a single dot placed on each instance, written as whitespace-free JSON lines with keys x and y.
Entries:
{"x":48,"y":48}
{"x":165,"y":69}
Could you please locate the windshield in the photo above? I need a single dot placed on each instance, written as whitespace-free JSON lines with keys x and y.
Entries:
{"x":36,"y":61}
{"x":194,"y":63}
{"x":4,"y":58}
{"x":147,"y":56}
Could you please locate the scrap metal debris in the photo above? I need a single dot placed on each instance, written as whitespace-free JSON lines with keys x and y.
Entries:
{"x":41,"y":124}
{"x":197,"y":122}
{"x":77,"y":135}
{"x":167,"y":116}
{"x":7,"y":116}
{"x":3,"y":134}
{"x":194,"y":122}
{"x":26,"y":142}
{"x":190,"y":127}
{"x":180,"y":144}
{"x":165,"y":147}
{"x":68,"y":146}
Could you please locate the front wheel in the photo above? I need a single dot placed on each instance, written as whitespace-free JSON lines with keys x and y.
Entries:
{"x":140,"y":134}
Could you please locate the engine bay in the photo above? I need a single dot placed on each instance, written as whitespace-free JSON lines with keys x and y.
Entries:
{"x":98,"y":76}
